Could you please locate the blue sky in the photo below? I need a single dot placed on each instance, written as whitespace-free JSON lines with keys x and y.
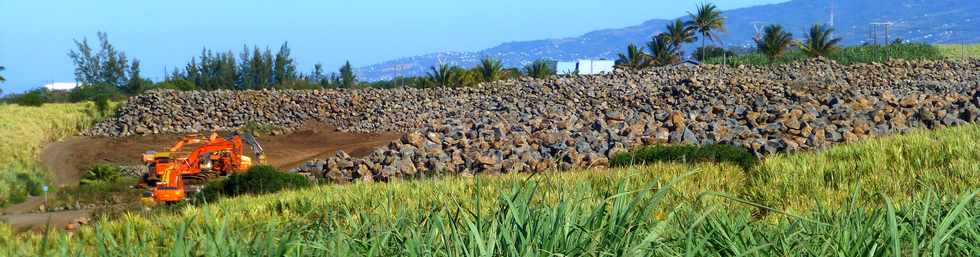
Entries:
{"x":37,"y":34}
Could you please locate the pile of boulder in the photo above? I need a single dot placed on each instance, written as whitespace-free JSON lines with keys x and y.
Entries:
{"x":530,"y":125}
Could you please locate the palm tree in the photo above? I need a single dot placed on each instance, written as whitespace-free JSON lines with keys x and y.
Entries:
{"x":634,"y":58}
{"x":774,"y":42}
{"x":491,"y":69}
{"x":443,"y":75}
{"x":679,"y":33}
{"x":539,"y":69}
{"x":819,"y":41}
{"x":2,"y":79}
{"x":707,"y":21}
{"x":662,"y":50}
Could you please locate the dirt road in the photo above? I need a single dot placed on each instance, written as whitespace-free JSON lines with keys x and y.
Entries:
{"x":38,"y":221}
{"x":67,"y":159}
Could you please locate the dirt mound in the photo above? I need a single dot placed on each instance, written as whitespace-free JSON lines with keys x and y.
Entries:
{"x":68,"y":158}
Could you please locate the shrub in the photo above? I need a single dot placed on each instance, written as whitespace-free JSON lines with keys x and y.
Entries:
{"x":32,"y":184}
{"x":846,"y":56}
{"x":101,"y":173}
{"x":866,"y":54}
{"x":711,"y":52}
{"x":257,"y":180}
{"x":102,"y":104}
{"x":212,"y":191}
{"x":258,"y":129}
{"x":687,"y":154}
{"x":33,"y":98}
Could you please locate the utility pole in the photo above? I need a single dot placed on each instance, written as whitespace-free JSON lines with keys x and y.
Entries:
{"x":45,"y":188}
{"x":396,"y":70}
{"x":874,"y":31}
{"x":758,"y":26}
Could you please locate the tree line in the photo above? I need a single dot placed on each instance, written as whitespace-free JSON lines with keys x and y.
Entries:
{"x":705,"y":24}
{"x":2,"y":79}
{"x":105,"y":73}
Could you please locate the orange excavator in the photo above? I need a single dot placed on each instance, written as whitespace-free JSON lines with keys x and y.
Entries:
{"x":214,"y":156}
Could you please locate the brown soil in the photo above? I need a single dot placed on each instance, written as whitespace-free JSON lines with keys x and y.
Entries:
{"x":67,"y":159}
{"x":37,"y":222}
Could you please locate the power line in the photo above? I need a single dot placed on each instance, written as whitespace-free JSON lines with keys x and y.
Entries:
{"x":833,"y":10}
{"x":886,"y":28}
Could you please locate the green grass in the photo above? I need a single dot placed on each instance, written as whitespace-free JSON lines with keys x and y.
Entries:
{"x":24,"y":131}
{"x":898,"y":166}
{"x":915,"y":193}
{"x":686,"y":154}
{"x":960,"y":51}
{"x":846,"y":56}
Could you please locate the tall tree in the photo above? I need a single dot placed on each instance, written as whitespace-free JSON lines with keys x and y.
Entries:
{"x":774,"y":42}
{"x":820,"y":41}
{"x":227,"y":73}
{"x":662,"y":51}
{"x":192,"y":73}
{"x":634,"y":58}
{"x":256,"y":69}
{"x":86,"y":63}
{"x":245,"y":72}
{"x":679,"y":33}
{"x":205,"y":71}
{"x":107,"y":66}
{"x":215,"y":71}
{"x":490,"y":69}
{"x":285,"y":67}
{"x":347,"y":77}
{"x":707,"y":21}
{"x":266,"y":72}
{"x":136,"y":83}
{"x":318,"y":76}
{"x":114,"y":67}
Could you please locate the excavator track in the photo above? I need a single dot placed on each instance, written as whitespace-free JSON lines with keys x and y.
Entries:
{"x":200,"y":178}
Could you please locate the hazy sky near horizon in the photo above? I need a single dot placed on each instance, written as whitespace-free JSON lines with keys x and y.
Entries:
{"x":37,"y":34}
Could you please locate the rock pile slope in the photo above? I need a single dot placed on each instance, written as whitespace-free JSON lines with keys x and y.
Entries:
{"x":532,"y":125}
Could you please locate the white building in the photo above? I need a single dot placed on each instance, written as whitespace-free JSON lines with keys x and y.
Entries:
{"x":585,"y":67}
{"x":61,"y":86}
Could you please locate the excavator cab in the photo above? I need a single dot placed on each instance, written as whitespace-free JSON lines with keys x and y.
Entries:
{"x":156,"y":164}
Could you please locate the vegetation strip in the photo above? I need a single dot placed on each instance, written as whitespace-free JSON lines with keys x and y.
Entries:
{"x":25,"y":130}
{"x":661,"y":208}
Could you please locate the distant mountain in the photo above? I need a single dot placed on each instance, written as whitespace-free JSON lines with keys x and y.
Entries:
{"x":932,"y":21}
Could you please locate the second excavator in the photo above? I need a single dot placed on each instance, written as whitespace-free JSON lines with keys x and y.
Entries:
{"x":167,"y":172}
